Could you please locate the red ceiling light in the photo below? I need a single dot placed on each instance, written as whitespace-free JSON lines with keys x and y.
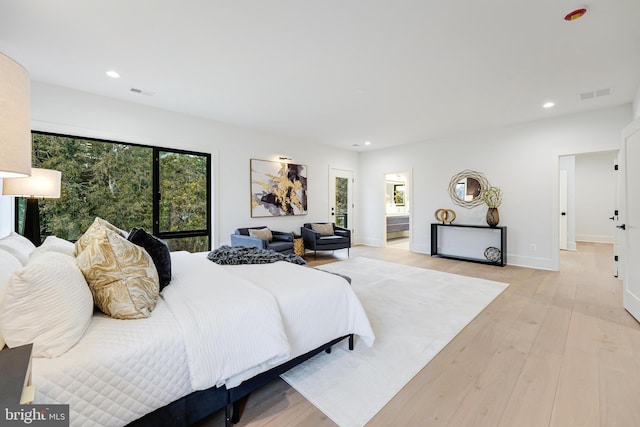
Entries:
{"x":578,"y":13}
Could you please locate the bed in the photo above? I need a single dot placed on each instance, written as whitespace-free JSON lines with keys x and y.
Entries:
{"x":216,"y":334}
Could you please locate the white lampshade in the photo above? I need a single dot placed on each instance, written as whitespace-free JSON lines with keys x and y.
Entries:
{"x":15,"y":119}
{"x":43,"y":183}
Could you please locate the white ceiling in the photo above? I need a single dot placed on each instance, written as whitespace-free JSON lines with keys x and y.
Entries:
{"x":338,"y":72}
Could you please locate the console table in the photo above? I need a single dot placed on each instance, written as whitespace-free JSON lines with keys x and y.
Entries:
{"x":469,"y":242}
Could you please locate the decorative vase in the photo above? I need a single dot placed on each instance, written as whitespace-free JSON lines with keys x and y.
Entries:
{"x":493,"y":217}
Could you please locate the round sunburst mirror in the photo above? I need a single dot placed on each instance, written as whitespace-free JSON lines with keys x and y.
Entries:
{"x":465,"y":188}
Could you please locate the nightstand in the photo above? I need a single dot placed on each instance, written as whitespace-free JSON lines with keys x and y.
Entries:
{"x":15,"y":376}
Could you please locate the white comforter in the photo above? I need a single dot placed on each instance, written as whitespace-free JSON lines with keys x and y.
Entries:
{"x":230,"y":326}
{"x":119,"y":371}
{"x":316,"y":306}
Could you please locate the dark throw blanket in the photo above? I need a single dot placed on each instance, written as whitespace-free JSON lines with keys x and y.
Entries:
{"x":236,"y":255}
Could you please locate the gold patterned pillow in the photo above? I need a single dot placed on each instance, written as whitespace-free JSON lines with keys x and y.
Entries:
{"x":95,"y":230}
{"x":121,"y":275}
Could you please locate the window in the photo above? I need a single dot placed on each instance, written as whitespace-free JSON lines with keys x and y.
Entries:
{"x":183,"y":186}
{"x":161,"y":190}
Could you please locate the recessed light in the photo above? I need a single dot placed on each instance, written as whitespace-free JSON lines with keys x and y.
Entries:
{"x":548,"y":104}
{"x":367,"y":143}
{"x":113,"y":74}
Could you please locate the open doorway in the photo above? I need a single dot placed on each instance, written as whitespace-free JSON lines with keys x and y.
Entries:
{"x":397,"y":210}
{"x":587,"y":200}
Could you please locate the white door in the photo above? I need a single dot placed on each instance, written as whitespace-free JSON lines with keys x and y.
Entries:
{"x":341,"y":197}
{"x":564,"y":237}
{"x":615,"y":217}
{"x":629,"y":217}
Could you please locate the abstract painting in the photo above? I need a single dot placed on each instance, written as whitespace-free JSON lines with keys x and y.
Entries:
{"x":278,"y":188}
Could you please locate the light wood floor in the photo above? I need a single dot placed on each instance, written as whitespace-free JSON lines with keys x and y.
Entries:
{"x":554,"y":349}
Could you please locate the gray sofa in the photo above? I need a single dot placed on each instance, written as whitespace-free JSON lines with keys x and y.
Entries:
{"x":282,"y":241}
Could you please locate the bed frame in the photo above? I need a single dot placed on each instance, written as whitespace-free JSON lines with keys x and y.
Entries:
{"x":200,"y":404}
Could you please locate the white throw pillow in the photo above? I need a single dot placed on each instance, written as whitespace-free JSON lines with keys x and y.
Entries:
{"x":55,"y":244}
{"x":47,"y":303}
{"x":8,"y":265}
{"x":18,"y":246}
{"x":261,"y":233}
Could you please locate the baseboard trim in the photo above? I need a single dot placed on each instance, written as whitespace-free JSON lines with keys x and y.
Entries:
{"x":594,"y":238}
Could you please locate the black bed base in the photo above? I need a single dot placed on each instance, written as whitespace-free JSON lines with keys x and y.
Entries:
{"x":200,"y":404}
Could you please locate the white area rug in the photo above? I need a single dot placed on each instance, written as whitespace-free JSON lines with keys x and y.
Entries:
{"x":414,"y":313}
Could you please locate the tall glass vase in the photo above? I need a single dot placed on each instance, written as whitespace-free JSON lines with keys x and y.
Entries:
{"x":493,"y":217}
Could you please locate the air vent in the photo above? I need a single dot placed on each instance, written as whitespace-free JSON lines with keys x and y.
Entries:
{"x":595,"y":93}
{"x":142,"y":92}
{"x":603,"y":92}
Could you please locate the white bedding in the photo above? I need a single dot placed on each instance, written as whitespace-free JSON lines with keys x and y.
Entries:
{"x":118,"y":372}
{"x":333,"y":311}
{"x":213,"y":325}
{"x":230,"y":325}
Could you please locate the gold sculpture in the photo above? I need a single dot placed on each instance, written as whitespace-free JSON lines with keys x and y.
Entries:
{"x":446,"y":216}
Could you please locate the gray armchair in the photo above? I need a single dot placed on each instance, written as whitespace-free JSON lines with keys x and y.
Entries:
{"x":281,"y":242}
{"x":316,"y":241}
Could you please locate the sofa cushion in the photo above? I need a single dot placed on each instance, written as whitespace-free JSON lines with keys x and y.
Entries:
{"x":332,"y":240}
{"x":261,"y":233}
{"x":281,"y":246}
{"x":323,"y":229}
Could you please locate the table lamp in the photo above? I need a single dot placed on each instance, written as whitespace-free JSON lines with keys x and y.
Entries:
{"x":15,"y":120}
{"x":43,"y":183}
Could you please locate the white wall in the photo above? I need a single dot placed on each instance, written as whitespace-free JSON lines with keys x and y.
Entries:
{"x":595,"y":198}
{"x":521,"y":159}
{"x":636,"y":104}
{"x":60,"y":110}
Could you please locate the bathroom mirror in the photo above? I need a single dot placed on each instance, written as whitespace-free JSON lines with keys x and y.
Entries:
{"x":465,"y":188}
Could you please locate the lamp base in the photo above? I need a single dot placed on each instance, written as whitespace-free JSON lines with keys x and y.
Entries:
{"x":32,"y":221}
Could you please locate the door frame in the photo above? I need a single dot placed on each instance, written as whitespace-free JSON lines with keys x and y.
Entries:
{"x":557,"y":207}
{"x":409,"y":198}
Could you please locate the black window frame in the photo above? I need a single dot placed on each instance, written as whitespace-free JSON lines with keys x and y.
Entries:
{"x":155,"y":170}
{"x":157,"y":196}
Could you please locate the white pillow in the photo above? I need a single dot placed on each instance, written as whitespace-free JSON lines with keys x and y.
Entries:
{"x":47,"y":303}
{"x":18,"y":246}
{"x":8,"y":265}
{"x":55,"y":244}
